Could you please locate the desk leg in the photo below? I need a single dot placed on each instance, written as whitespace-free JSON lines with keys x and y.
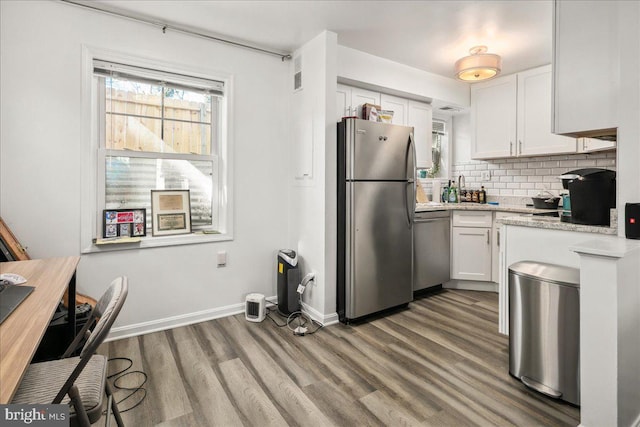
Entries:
{"x":71,"y":306}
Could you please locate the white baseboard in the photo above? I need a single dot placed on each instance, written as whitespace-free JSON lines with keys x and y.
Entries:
{"x":471,"y":285}
{"x":174,"y":322}
{"x":203,"y":316}
{"x":325,"y":320}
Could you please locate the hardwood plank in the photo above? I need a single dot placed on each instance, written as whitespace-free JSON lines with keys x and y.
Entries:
{"x":389,"y":414}
{"x":215,"y":345}
{"x":187,"y":420}
{"x":327,"y":363}
{"x":206,"y":394}
{"x":439,"y":363}
{"x":250,"y":398}
{"x":166,"y":394}
{"x":130,"y":348}
{"x":281,"y":387}
{"x":285,"y":355}
{"x":340,"y":406}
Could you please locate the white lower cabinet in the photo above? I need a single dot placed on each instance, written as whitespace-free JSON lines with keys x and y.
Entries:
{"x":471,"y":237}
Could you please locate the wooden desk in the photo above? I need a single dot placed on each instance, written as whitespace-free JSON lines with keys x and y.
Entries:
{"x":21,"y":332}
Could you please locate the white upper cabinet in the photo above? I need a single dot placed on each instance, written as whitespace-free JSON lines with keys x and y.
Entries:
{"x":362,"y":96}
{"x":534,"y":116}
{"x":343,"y":102}
{"x":585,"y":66}
{"x":420,"y":116}
{"x":399,"y":106}
{"x":591,"y":145}
{"x":349,"y":101}
{"x":405,"y":113}
{"x":511,"y":116}
{"x":493,"y":118}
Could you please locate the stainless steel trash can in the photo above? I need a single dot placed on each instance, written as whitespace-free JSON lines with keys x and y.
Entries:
{"x":544,"y":328}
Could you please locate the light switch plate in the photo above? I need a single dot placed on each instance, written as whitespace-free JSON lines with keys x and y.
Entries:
{"x":485,"y":175}
{"x":222,"y":258}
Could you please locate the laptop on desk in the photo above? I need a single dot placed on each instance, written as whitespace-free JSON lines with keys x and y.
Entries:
{"x":10,"y":297}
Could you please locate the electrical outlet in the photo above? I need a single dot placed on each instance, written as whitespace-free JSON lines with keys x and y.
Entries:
{"x":222,"y":258}
{"x":485,"y":176}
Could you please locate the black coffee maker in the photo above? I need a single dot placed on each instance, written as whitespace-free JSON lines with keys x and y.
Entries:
{"x":593,"y":194}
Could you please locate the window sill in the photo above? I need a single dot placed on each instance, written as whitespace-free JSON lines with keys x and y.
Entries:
{"x":160,"y":241}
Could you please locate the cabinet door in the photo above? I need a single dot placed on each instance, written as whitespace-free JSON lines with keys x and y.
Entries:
{"x":493,"y":118}
{"x":585,"y":90}
{"x":534,"y":116}
{"x":399,"y":107}
{"x":590,"y":145}
{"x":420,"y":117}
{"x":343,"y":102}
{"x":471,"y":253}
{"x":362,"y":96}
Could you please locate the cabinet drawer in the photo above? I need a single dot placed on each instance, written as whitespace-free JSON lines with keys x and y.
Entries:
{"x":472,"y":219}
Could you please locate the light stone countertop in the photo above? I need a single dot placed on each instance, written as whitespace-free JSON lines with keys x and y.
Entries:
{"x":469,"y":206}
{"x":547,"y":222}
{"x":554,"y":223}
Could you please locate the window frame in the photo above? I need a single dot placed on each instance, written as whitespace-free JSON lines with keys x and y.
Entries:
{"x":94,"y":154}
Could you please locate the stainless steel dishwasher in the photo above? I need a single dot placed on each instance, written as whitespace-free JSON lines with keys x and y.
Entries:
{"x":431,"y":249}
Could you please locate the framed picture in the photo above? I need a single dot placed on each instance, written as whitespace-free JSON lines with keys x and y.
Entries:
{"x":124,"y":223}
{"x":170,"y":212}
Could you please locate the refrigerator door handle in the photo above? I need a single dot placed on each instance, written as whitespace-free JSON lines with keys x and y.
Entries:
{"x":411,"y":207}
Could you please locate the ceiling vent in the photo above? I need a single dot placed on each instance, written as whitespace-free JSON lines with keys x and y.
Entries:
{"x":450,"y":109}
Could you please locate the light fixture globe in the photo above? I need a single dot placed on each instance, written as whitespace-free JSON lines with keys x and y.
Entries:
{"x":479,"y":65}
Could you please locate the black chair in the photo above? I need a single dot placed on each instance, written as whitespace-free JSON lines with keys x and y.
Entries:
{"x":79,"y":381}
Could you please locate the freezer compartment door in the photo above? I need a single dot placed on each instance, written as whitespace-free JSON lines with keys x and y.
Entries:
{"x":379,"y":248}
{"x":379,"y":151}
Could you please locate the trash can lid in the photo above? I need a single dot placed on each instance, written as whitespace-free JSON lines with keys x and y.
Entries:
{"x":547,"y":272}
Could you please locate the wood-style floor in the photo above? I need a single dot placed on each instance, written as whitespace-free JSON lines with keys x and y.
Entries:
{"x":439,"y":363}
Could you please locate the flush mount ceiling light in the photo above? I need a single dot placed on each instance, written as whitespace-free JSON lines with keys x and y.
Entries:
{"x":479,"y":65}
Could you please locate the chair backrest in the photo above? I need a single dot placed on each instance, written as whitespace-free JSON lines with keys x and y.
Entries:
{"x":105,"y":312}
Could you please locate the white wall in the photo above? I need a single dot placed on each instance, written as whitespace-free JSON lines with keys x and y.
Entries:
{"x":313,"y":199}
{"x":628,"y":180}
{"x":356,"y":67}
{"x":40,"y":171}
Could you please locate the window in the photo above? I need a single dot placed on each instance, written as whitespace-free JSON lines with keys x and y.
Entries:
{"x":150,"y":124}
{"x":158,"y":131}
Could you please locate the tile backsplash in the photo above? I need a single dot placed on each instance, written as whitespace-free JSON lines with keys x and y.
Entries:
{"x":525,"y":177}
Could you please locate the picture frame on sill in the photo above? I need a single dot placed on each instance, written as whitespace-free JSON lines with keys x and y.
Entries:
{"x":170,"y":212}
{"x":124,"y":223}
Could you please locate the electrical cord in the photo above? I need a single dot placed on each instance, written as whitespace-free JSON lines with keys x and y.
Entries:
{"x":305,"y":319}
{"x":274,"y":320}
{"x":117,"y":380}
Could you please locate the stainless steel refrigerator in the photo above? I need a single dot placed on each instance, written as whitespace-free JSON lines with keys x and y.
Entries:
{"x":376,"y":201}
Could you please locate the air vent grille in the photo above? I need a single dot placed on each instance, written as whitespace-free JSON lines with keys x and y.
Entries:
{"x":297,"y":73}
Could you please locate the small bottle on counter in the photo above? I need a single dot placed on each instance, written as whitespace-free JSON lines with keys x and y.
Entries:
{"x":445,"y":193}
{"x":474,"y":196}
{"x":453,"y":193}
{"x":482,"y":195}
